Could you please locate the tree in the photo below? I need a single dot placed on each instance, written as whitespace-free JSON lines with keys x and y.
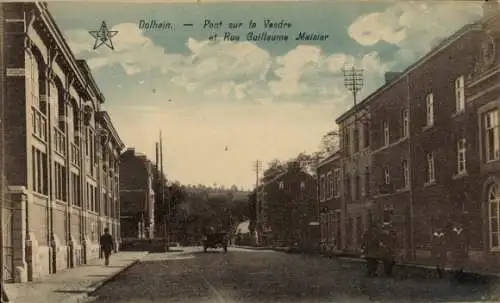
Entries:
{"x":329,"y":144}
{"x":274,"y":168}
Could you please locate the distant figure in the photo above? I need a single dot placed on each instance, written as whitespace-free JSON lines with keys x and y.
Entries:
{"x":226,"y":149}
{"x":389,"y":245}
{"x":459,"y":250}
{"x":439,"y":250}
{"x":370,"y":249}
{"x":107,"y":245}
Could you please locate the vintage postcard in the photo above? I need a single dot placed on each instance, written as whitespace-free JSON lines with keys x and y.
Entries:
{"x":249,"y":151}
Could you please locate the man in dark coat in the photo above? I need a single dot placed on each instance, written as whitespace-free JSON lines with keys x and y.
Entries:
{"x":370,"y":249}
{"x":459,"y":249}
{"x":107,"y":245}
{"x":389,"y":245}
{"x":439,"y":250}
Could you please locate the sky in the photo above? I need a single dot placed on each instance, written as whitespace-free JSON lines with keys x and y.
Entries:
{"x":222,"y":105}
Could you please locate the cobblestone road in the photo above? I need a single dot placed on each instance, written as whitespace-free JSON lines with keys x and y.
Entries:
{"x":264,"y":276}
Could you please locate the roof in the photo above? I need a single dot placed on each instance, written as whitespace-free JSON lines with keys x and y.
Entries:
{"x":83,"y":75}
{"x":436,"y":50}
{"x":280,"y":175}
{"x":106,"y":119}
{"x":329,"y":159}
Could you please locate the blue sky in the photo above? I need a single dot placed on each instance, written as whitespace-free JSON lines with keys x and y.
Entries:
{"x":263,"y":100}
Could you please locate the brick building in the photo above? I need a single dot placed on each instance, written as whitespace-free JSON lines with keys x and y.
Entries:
{"x":290,"y":201}
{"x":137,"y":195}
{"x":355,"y":159}
{"x":61,"y":150}
{"x":330,"y":203}
{"x":435,"y":143}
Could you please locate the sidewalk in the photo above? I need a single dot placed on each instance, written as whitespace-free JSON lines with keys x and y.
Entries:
{"x":410,"y":269}
{"x":72,"y":285}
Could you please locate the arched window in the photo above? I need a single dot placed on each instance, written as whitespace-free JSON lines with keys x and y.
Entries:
{"x":494,"y":203}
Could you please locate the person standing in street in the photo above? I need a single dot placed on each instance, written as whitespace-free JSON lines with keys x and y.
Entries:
{"x":459,"y":250}
{"x":389,"y":241}
{"x":107,"y":244}
{"x":370,"y":249}
{"x":439,"y":250}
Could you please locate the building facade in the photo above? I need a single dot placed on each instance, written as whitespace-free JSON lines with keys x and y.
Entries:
{"x":290,"y":201}
{"x":434,"y":137}
{"x":355,"y":159}
{"x":137,"y":195}
{"x":62,"y":151}
{"x":329,"y":174}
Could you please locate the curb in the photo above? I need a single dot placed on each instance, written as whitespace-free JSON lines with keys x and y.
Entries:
{"x":86,"y":297}
{"x":429,"y":270}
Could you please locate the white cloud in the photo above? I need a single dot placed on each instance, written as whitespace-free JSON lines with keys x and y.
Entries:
{"x":230,"y":70}
{"x":266,"y":128}
{"x":414,"y":26}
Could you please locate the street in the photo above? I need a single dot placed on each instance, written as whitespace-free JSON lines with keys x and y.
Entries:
{"x":266,"y":276}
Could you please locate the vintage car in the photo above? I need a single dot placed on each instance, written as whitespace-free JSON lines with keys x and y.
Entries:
{"x":215,"y":240}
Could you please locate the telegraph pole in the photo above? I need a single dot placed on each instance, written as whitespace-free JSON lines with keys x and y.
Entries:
{"x":353,"y":81}
{"x":162,"y":190}
{"x":257,"y":168}
{"x":3,"y":296}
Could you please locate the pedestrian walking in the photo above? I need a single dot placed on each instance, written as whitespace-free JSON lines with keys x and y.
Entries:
{"x":389,"y":245}
{"x":459,"y":250}
{"x":439,"y":250}
{"x":107,"y":245}
{"x":370,"y":249}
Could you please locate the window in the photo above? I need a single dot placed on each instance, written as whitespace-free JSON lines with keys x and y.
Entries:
{"x":60,"y":176}
{"x":494,"y":229}
{"x":347,"y":143}
{"x":336,"y":183}
{"x":322,"y":189}
{"x":405,"y":123}
{"x":357,"y":187}
{"x":77,"y":194}
{"x":40,"y":172}
{"x":406,"y":174}
{"x":356,"y":139}
{"x":431,"y":174}
{"x":492,"y":145}
{"x":460,"y":94}
{"x":330,"y":185}
{"x":366,"y":134}
{"x":387,"y":176}
{"x":33,"y":87}
{"x":367,"y":181}
{"x":430,"y":109}
{"x":386,"y":133}
{"x":281,"y":185}
{"x":461,"y":156}
{"x":347,"y":187}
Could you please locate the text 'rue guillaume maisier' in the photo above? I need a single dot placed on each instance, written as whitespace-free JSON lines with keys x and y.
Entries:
{"x":271,"y":30}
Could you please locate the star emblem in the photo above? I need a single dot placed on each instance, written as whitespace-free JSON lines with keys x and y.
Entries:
{"x":103,"y":36}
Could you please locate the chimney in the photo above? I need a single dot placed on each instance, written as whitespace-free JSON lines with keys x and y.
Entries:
{"x":490,"y":8}
{"x":131,"y":150}
{"x":389,"y":76}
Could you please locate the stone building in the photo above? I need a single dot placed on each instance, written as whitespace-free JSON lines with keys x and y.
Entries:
{"x":435,"y":136}
{"x":137,"y":195}
{"x":329,"y":174}
{"x":61,"y":150}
